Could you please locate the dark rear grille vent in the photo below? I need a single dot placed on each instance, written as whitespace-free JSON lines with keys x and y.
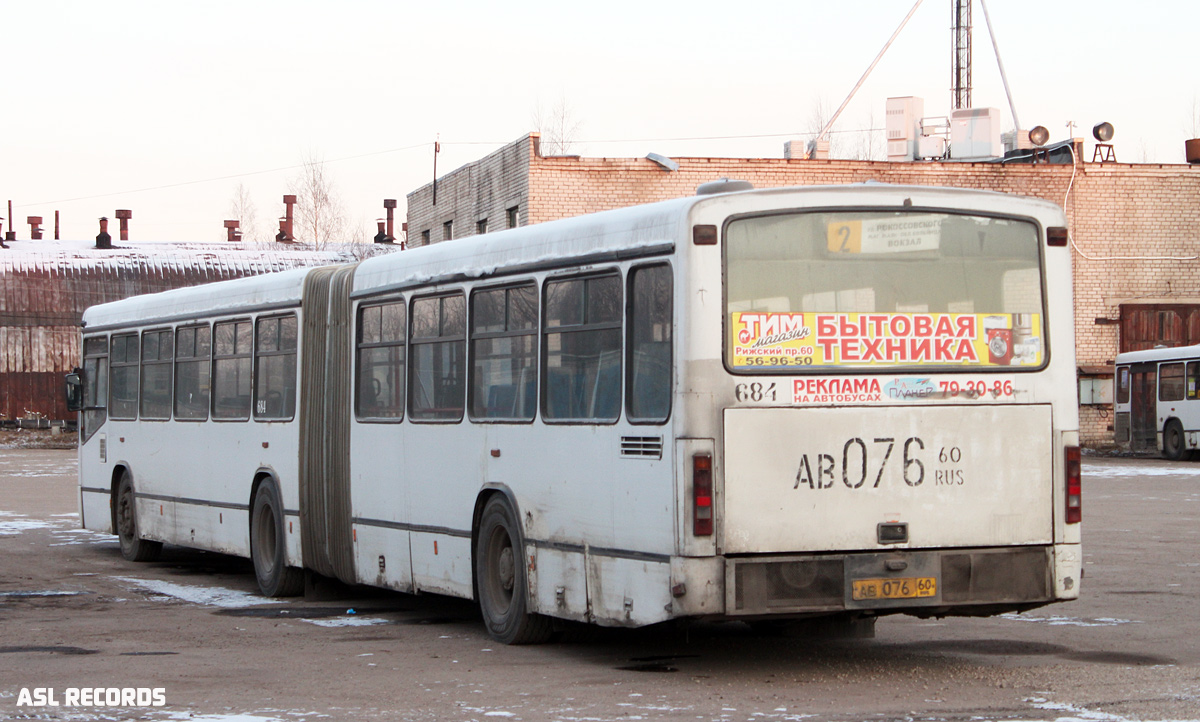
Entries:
{"x":641,"y":447}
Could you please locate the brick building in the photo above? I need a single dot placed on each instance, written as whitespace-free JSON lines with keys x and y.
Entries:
{"x":1135,"y":227}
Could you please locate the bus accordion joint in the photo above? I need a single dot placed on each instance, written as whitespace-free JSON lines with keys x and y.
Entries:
{"x":702,"y":511}
{"x":1074,"y":486}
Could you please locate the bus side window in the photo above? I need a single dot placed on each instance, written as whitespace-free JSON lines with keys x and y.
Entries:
{"x":275,"y":368}
{"x":232,"y":341}
{"x":380,"y":337}
{"x":1193,"y":379}
{"x":582,"y":338}
{"x":193,"y":347}
{"x":123,"y":377}
{"x":504,"y":353}
{"x":157,"y":349}
{"x":437,"y":376}
{"x":1123,"y":385}
{"x":95,"y":385}
{"x":650,"y":362}
{"x":1170,"y":382}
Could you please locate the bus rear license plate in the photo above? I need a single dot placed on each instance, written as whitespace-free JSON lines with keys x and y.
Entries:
{"x":906,"y":588}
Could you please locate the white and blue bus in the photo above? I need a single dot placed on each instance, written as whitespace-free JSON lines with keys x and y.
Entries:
{"x":838,"y":402}
{"x":1156,"y":401}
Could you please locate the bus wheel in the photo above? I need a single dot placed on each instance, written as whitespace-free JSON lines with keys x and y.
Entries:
{"x":1174,"y":446}
{"x":133,"y":547}
{"x":500,"y":579}
{"x":268,"y":549}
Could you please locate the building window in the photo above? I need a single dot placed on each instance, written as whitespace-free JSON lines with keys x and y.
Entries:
{"x":425,"y":237}
{"x":232,"y":341}
{"x":481,"y":226}
{"x":513,"y":216}
{"x":447,"y":230}
{"x":582,"y":335}
{"x":504,"y":353}
{"x":158,"y":348}
{"x":437,"y":373}
{"x":380,"y":362}
{"x":649,"y":392}
{"x":193,"y":347}
{"x":275,"y":372}
{"x":123,"y":377}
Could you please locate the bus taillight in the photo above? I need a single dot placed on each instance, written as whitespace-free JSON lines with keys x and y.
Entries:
{"x":702,"y":506}
{"x":1074,"y":486}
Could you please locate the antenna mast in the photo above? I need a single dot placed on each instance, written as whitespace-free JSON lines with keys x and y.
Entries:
{"x":961,"y":66}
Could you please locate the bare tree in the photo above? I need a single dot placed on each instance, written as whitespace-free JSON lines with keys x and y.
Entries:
{"x":242,"y":209}
{"x":869,"y":142}
{"x":558,"y":126}
{"x":320,"y":218}
{"x":818,"y":115}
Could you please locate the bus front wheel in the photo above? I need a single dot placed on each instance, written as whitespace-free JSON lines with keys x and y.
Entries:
{"x":500,"y":579}
{"x":1174,"y":444}
{"x":268,"y":549}
{"x":133,"y":547}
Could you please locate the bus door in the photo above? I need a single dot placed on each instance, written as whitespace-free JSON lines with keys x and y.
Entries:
{"x":1143,"y":397}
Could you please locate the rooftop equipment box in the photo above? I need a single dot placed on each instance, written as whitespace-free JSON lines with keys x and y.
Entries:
{"x":975,"y":133}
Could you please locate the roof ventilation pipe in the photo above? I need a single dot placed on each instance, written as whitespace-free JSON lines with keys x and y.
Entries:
{"x":123,"y":216}
{"x":103,"y":240}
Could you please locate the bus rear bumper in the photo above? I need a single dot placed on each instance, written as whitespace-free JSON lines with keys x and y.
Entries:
{"x":925,"y":583}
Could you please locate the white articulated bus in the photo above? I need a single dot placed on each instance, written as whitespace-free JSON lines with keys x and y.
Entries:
{"x":836,"y":402}
{"x":1156,"y":403}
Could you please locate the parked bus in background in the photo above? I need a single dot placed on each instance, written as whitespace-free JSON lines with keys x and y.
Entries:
{"x":1156,"y":404}
{"x":838,"y":402}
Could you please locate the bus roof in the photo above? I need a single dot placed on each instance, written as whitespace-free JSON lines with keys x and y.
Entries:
{"x":1158,"y":354}
{"x":270,"y":289}
{"x":607,"y":235}
{"x":625,"y":231}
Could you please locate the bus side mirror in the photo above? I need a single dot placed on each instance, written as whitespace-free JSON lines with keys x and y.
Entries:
{"x":74,"y":392}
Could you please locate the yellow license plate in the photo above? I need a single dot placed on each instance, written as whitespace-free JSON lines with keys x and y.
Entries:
{"x":907,"y":588}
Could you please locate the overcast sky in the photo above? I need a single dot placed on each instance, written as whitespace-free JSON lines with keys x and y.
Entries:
{"x":165,"y":107}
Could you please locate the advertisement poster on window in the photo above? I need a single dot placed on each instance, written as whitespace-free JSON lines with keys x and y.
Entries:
{"x":866,"y":340}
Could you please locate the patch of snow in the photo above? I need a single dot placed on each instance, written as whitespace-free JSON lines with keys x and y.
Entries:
{"x":1069,"y":621}
{"x":1113,"y":470}
{"x":347,"y":621}
{"x":1083,"y":714}
{"x":206,"y":596}
{"x":12,"y":524}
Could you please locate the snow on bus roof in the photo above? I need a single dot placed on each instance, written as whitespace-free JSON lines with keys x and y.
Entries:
{"x":623,"y":229}
{"x":618,"y":230}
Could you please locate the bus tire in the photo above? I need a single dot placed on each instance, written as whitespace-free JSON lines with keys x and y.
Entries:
{"x":133,"y":547}
{"x":268,"y":550}
{"x":1174,"y":442}
{"x":500,"y":578}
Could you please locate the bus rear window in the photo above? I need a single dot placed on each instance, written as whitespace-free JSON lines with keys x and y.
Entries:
{"x":882,"y":290}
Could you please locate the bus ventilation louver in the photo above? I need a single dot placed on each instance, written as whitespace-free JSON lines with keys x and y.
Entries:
{"x":641,"y":447}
